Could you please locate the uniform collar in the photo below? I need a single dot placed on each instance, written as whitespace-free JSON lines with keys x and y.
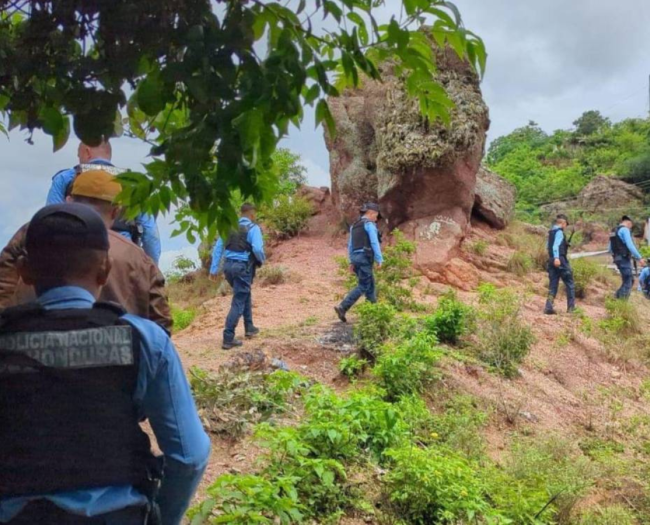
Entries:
{"x":66,"y":297}
{"x":245,"y":220}
{"x":100,"y":161}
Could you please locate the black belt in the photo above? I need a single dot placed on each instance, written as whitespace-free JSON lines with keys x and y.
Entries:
{"x":44,"y":512}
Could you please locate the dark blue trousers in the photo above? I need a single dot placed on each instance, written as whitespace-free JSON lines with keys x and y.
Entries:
{"x":565,"y":274}
{"x":239,"y":275}
{"x":363,"y":268}
{"x":624,"y":266}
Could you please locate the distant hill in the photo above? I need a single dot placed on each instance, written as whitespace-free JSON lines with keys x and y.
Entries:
{"x":547,"y":168}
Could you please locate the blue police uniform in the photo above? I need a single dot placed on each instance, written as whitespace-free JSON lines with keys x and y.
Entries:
{"x":623,"y":250}
{"x":150,"y":235}
{"x":362,"y":259}
{"x":239,"y":270}
{"x":163,"y":396}
{"x":558,"y":249}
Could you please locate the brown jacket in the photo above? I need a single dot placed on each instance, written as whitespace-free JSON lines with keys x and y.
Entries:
{"x":135,"y":282}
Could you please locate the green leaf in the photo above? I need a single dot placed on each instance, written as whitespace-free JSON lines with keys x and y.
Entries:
{"x":150,"y":95}
{"x":61,"y":138}
{"x":52,"y":120}
{"x":323,"y":114}
{"x":361,"y":26}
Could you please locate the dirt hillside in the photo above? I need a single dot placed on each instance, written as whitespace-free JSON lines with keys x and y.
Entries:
{"x":571,"y":384}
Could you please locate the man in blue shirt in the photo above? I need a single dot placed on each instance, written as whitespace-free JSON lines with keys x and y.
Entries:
{"x":100,"y":157}
{"x":78,"y":377}
{"x":559,"y":267}
{"x":364,"y":250}
{"x":623,"y":250}
{"x":244,"y":252}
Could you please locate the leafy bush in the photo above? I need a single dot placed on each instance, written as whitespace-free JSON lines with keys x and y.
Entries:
{"x":375,"y":325}
{"x":393,"y":284}
{"x":433,"y":485}
{"x":352,"y":366}
{"x":272,"y":274}
{"x":584,"y":274}
{"x":288,"y":216}
{"x":460,"y":425}
{"x":245,"y":499}
{"x":542,"y":479}
{"x":622,"y":319}
{"x":503,"y":339}
{"x":520,"y":264}
{"x":407,"y":368}
{"x":232,"y":400}
{"x":182,"y":317}
{"x":451,"y":320}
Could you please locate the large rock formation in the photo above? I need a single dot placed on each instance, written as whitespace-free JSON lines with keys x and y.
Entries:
{"x":602,"y":195}
{"x":495,"y":199}
{"x":423,"y":174}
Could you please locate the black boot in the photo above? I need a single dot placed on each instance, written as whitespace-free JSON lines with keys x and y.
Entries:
{"x":549,"y":310}
{"x":341,"y":313}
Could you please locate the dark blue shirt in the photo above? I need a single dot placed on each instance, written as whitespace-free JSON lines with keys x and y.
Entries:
{"x":163,"y":396}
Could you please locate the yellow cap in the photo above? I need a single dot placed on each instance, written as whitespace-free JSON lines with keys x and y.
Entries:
{"x":96,"y":184}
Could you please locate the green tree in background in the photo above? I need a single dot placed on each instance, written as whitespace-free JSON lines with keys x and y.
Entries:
{"x":547,"y":168}
{"x":590,"y":122}
{"x":291,"y":173}
{"x":212,"y":86}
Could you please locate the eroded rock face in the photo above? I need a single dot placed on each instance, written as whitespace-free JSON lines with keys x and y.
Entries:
{"x":603,"y":193}
{"x":495,"y":199}
{"x":423,"y":175}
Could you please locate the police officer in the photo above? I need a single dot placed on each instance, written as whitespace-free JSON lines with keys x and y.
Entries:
{"x":143,"y":230}
{"x":623,"y":250}
{"x":364,"y":250}
{"x":244,"y":252}
{"x":135,"y":282}
{"x":559,"y":267}
{"x":77,"y":378}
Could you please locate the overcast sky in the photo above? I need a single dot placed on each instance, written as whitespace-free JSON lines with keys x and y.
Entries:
{"x":548,"y":61}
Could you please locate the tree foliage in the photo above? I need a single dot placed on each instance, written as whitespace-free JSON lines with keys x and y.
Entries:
{"x":590,"y":122}
{"x":549,"y":167}
{"x":212,"y":86}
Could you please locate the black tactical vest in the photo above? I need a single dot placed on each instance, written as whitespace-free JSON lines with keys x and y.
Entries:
{"x":564,"y":247}
{"x":238,"y":241}
{"x":619,"y":248}
{"x":360,"y":239}
{"x":67,"y":379}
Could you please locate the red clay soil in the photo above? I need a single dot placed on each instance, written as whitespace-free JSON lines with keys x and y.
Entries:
{"x":561,"y":383}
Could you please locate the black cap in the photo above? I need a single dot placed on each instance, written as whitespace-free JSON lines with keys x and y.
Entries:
{"x":562,"y":217}
{"x":85,"y":229}
{"x":626,"y":218}
{"x":370,"y":206}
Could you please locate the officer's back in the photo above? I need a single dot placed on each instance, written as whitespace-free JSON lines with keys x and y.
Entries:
{"x":77,"y":378}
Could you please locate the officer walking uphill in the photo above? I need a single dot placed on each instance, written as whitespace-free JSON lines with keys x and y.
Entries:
{"x":244,"y":252}
{"x":143,"y":230}
{"x":623,"y":250}
{"x":364,"y":250}
{"x":77,"y":379}
{"x":559,"y":267}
